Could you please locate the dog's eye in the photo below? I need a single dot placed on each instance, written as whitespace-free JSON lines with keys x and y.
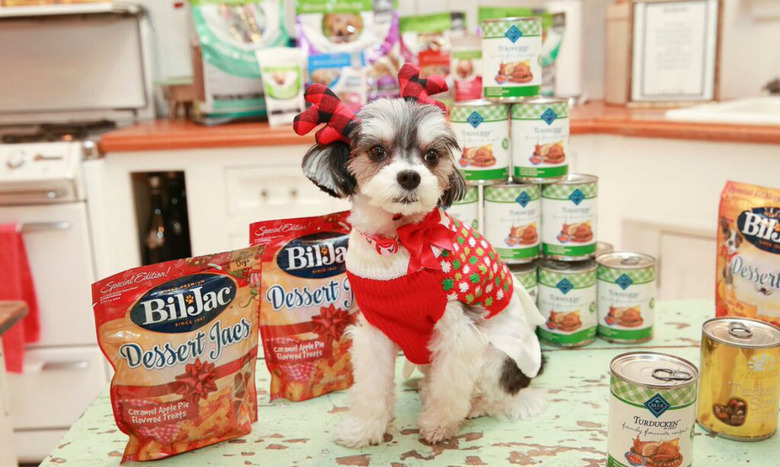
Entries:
{"x":377,"y":153}
{"x":431,"y":157}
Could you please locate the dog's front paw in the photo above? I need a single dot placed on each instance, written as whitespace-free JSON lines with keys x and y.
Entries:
{"x":434,"y":429}
{"x":356,"y":433}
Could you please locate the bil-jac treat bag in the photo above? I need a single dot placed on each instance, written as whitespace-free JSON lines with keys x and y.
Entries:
{"x":306,"y":303}
{"x":182,"y":338}
{"x":748,"y":266}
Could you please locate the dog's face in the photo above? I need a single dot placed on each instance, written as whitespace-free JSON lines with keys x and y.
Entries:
{"x":731,"y":238}
{"x":401,"y":159}
{"x":343,"y":27}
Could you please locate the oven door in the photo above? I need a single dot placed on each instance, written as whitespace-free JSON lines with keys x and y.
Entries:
{"x":56,"y":237}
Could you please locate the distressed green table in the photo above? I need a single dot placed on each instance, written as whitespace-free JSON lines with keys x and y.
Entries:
{"x":571,"y":432}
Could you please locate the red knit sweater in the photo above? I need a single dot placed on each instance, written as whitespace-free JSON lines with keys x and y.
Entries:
{"x":407,"y":308}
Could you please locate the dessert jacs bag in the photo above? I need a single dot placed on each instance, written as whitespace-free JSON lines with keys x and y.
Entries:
{"x":182,"y":339}
{"x":306,"y":304}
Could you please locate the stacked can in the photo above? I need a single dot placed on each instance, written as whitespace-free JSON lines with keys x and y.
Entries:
{"x":511,"y":58}
{"x":540,"y":139}
{"x":569,"y":218}
{"x":467,"y":209}
{"x":626,"y":297}
{"x":526,"y":274}
{"x":567,"y":301}
{"x":482,"y":130}
{"x":512,"y":218}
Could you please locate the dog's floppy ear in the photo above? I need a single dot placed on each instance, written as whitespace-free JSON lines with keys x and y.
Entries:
{"x":724,"y":225}
{"x":455,"y":191}
{"x":326,"y":166}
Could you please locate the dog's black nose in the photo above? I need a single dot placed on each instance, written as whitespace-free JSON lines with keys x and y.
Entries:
{"x":408,"y":179}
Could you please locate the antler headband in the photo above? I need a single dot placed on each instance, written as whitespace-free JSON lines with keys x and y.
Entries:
{"x":339,"y":120}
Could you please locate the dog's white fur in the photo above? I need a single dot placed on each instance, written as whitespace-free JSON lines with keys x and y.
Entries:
{"x":468,"y":354}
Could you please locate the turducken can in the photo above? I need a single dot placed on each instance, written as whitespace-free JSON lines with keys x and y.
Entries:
{"x":652,"y":410}
{"x":526,"y":274}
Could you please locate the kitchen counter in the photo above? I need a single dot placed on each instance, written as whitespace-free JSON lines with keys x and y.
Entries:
{"x":570,"y":432}
{"x":591,"y":118}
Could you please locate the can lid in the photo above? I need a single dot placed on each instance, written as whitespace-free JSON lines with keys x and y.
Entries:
{"x":576,"y":179}
{"x":742,"y":332}
{"x":512,"y":18}
{"x":478,"y":103}
{"x":522,"y":267}
{"x":625,"y":260}
{"x":603,"y":248}
{"x":653,"y":369}
{"x":568,"y":266}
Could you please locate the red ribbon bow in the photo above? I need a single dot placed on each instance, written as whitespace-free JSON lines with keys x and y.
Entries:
{"x":331,"y":322}
{"x":416,"y":89}
{"x":326,"y":108}
{"x":420,"y":239}
{"x":197,"y":381}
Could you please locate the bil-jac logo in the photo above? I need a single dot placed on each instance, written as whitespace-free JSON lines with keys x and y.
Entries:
{"x":184,"y":304}
{"x":314,"y":256}
{"x":761,"y":227}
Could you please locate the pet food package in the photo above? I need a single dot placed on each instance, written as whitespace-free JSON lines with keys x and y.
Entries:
{"x":306,"y":304}
{"x":282,"y":70}
{"x":467,"y":67}
{"x":354,"y":27}
{"x":426,"y":41}
{"x":345,"y":74}
{"x":182,"y":339}
{"x":748,"y":254}
{"x":229,"y":34}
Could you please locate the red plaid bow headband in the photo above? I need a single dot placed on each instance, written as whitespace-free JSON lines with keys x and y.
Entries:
{"x":339,"y":120}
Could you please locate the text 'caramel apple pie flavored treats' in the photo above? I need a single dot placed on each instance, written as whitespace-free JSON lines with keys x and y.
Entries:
{"x":306,"y":304}
{"x":182,"y":339}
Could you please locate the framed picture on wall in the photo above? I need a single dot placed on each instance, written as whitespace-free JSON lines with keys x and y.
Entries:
{"x":674,"y":51}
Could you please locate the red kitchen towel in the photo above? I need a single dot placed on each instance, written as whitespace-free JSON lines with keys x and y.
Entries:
{"x":16,"y":283}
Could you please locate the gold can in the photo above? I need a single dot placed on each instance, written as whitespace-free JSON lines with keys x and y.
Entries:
{"x":740,"y":378}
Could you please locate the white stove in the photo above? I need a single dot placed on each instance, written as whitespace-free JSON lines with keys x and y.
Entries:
{"x":73,"y":76}
{"x":42,"y":193}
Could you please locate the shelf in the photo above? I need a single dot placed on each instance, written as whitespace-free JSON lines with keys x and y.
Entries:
{"x":55,"y":10}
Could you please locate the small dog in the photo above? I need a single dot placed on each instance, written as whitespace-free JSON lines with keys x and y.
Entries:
{"x":423,"y":281}
{"x":732,"y":240}
{"x":342,"y":27}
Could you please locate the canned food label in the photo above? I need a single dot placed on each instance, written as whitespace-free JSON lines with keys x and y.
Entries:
{"x":467,"y":209}
{"x":739,"y":390}
{"x":626,"y":301}
{"x":569,"y":219}
{"x":650,"y":427}
{"x":540,"y":140}
{"x":568,"y":304}
{"x":511,"y":58}
{"x":483,"y":135}
{"x":512,"y":215}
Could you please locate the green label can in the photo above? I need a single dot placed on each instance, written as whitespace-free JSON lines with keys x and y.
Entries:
{"x":569,"y":217}
{"x":467,"y":209}
{"x":567,"y":300}
{"x":540,"y":139}
{"x":512,"y":218}
{"x":652,"y":410}
{"x":626,"y":296}
{"x":511,"y":58}
{"x":526,"y":274}
{"x":482,"y":130}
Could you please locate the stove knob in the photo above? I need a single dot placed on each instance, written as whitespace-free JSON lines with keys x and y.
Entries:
{"x":16,"y":159}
